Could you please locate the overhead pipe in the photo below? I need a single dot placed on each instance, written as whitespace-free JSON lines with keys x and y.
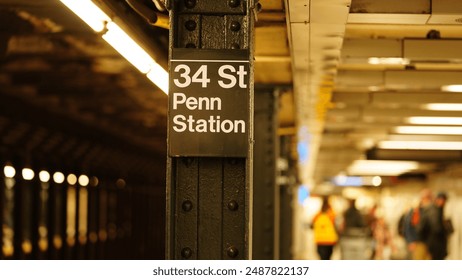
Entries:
{"x":160,"y":5}
{"x":151,"y":16}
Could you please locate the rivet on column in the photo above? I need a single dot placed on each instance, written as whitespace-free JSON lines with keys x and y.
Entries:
{"x":187,"y":205}
{"x":190,"y":25}
{"x":233,"y":205}
{"x":232,"y":252}
{"x":190,"y":3}
{"x":234,"y":3}
{"x":235,"y":26}
{"x":186,"y":253}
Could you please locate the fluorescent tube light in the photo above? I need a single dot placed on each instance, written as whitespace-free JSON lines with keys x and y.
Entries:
{"x":159,"y":76}
{"x":128,"y":48}
{"x":356,"y":181}
{"x":443,"y":106}
{"x":435,"y":120}
{"x":452,"y":88}
{"x":89,"y":13}
{"x":420,"y":145}
{"x":348,"y":181}
{"x":136,"y":55}
{"x":381,"y":167}
{"x":436,"y":130}
{"x":119,"y":40}
{"x":387,"y":61}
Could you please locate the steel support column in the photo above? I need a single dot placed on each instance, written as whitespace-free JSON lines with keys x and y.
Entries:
{"x":265,"y":210}
{"x":287,"y":189}
{"x":2,"y":206}
{"x":209,"y":197}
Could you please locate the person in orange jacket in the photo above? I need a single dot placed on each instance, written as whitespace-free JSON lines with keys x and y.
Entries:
{"x":325,"y":232}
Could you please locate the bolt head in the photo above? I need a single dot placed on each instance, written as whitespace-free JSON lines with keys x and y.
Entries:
{"x":233,"y":205}
{"x":187,"y":205}
{"x":234,"y":3}
{"x":186,"y":253}
{"x":190,"y":3}
{"x":232,"y":252}
{"x":235,"y":26}
{"x":190,"y":25}
{"x":235,"y":46}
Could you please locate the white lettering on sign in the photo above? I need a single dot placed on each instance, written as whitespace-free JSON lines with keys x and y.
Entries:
{"x":214,"y":124}
{"x":193,"y":103}
{"x":199,"y":77}
{"x":231,"y":78}
{"x":226,"y":72}
{"x":218,"y":78}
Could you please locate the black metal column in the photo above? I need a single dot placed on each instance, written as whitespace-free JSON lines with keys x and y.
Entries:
{"x":265,"y":211}
{"x":287,"y":189}
{"x":209,"y":197}
{"x":2,"y":206}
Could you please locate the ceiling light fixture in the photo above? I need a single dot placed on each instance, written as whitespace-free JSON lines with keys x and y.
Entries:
{"x":89,"y":13}
{"x":435,"y":130}
{"x":420,"y":145}
{"x":452,"y":88}
{"x":58,"y":177}
{"x":435,"y":120}
{"x":376,"y":181}
{"x":83,"y":180}
{"x":347,"y":181}
{"x":159,"y":76}
{"x":381,"y":167}
{"x":342,"y":180}
{"x":9,"y":171}
{"x":44,"y":176}
{"x":92,"y":15}
{"x":128,"y":48}
{"x":71,"y":179}
{"x":387,"y":61}
{"x":443,"y":106}
{"x":28,"y":174}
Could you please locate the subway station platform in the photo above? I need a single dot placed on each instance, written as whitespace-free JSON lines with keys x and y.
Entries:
{"x":206,"y":129}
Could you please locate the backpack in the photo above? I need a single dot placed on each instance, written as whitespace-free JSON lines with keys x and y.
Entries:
{"x":411,"y":220}
{"x":324,"y":229}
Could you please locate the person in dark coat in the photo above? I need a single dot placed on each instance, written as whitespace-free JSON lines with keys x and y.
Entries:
{"x":353,"y":220}
{"x":431,"y":228}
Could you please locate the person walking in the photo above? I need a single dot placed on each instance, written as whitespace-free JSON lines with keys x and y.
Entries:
{"x":383,"y":240}
{"x":325,"y":233}
{"x":431,"y":229}
{"x":352,"y":218}
{"x":355,"y":239}
{"x":410,"y":220}
{"x":424,"y":226}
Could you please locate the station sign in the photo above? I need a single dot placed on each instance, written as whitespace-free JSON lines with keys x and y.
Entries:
{"x":209,"y":103}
